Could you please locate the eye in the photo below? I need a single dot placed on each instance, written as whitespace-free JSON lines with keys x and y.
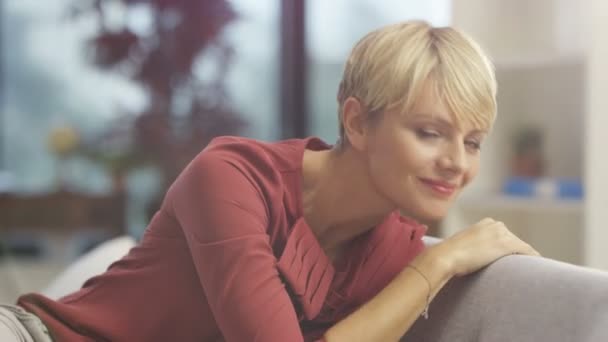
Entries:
{"x":428,"y":134}
{"x":473,"y":144}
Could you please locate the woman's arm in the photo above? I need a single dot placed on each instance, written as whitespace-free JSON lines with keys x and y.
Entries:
{"x":225,"y":222}
{"x":389,"y":315}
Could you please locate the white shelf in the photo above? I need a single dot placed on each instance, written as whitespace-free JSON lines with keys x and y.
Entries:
{"x":522,"y":204}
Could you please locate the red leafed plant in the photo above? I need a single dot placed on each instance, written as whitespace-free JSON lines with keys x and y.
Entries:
{"x":184,"y":110}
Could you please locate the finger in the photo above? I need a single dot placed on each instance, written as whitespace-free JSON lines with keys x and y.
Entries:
{"x":486,"y":221}
{"x":498,"y":224}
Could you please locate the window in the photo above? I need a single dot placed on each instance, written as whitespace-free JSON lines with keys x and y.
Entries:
{"x":333,"y":27}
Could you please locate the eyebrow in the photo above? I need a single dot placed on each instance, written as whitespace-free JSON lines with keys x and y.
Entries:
{"x":437,"y":118}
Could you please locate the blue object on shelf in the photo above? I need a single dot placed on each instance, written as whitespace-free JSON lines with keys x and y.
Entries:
{"x":545,"y":188}
{"x":570,"y":188}
{"x":519,"y":186}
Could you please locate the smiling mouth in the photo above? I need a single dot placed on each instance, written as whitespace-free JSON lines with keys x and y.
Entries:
{"x":439,"y":188}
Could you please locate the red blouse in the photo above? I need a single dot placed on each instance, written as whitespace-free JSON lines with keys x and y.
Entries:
{"x":229,"y":256}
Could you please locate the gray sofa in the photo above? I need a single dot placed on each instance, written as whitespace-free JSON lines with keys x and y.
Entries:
{"x":519,"y":298}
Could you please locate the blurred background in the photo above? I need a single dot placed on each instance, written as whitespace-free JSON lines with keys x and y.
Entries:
{"x":103,"y":102}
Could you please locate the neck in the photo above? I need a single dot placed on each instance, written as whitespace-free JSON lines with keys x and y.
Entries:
{"x":339,"y":200}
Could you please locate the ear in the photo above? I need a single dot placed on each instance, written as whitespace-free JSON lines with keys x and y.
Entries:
{"x":353,"y":121}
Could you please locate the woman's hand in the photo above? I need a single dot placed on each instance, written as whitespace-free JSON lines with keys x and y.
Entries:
{"x":479,"y":245}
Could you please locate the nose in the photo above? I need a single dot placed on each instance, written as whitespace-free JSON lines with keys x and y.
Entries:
{"x":453,"y":159}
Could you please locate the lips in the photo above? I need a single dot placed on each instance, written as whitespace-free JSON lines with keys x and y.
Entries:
{"x":439,"y":187}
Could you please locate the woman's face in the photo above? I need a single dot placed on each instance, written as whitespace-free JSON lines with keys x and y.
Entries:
{"x":421,"y":161}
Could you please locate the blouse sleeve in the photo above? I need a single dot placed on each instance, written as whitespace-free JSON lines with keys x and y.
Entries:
{"x":225,"y":223}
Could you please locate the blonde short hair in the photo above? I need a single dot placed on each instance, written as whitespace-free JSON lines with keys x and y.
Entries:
{"x":390,"y":67}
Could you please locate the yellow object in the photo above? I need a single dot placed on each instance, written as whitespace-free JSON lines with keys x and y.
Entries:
{"x":63,"y":140}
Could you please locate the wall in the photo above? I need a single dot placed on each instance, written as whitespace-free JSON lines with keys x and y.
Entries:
{"x":539,"y":49}
{"x":596,"y":164}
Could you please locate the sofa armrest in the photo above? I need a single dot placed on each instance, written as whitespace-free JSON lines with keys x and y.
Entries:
{"x":93,"y":263}
{"x":519,"y":298}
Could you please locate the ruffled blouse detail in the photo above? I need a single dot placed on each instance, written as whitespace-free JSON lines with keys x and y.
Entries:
{"x":306,"y":268}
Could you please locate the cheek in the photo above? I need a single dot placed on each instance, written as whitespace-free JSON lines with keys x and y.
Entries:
{"x":395,"y":157}
{"x":399,"y":155}
{"x":395,"y":167}
{"x":472,"y":172}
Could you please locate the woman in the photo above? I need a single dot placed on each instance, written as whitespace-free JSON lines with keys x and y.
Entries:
{"x":298,"y":240}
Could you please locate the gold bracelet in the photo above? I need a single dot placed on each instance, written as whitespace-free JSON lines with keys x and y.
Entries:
{"x":425,"y":313}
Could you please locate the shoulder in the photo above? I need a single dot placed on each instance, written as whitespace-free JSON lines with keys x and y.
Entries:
{"x":225,"y":182}
{"x":226,"y":165}
{"x":231,"y":167}
{"x":253,"y":154}
{"x":228,"y":156}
